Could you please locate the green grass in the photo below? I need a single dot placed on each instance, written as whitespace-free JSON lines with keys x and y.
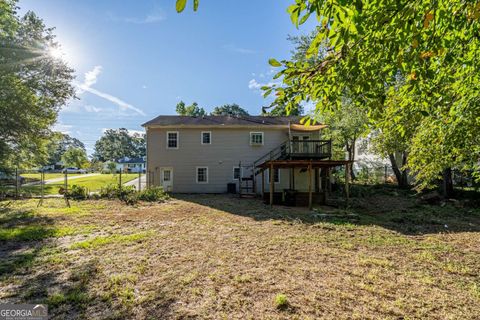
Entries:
{"x":48,"y":176}
{"x":92,"y":183}
{"x":95,"y":183}
{"x":104,"y":240}
{"x":38,"y":232}
{"x":218,"y":257}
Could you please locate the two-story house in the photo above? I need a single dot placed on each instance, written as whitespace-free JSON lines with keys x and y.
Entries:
{"x":205,"y":154}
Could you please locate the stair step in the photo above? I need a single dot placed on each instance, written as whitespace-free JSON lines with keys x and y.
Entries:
{"x":248,"y":195}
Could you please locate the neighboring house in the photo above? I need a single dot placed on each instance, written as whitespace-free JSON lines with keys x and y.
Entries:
{"x":127,"y":164}
{"x":365,"y":158}
{"x":51,"y":167}
{"x":204,"y":154}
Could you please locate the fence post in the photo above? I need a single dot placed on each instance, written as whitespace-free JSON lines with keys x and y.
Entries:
{"x":16,"y":183}
{"x":120,"y":181}
{"x":139,"y":181}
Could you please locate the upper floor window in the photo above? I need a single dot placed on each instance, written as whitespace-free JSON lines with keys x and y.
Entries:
{"x":172,"y":139}
{"x":206,"y":137}
{"x":256,"y":138}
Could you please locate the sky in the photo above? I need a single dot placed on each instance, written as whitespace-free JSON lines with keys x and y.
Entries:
{"x":135,"y":60}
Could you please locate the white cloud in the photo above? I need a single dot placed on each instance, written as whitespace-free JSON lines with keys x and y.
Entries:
{"x":156,"y":15}
{"x":255,"y":85}
{"x":63,"y":128}
{"x":79,"y":108}
{"x":91,"y":76}
{"x":90,"y":79}
{"x":234,"y":48}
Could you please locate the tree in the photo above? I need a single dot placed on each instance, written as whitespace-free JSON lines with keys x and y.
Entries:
{"x":112,"y":167}
{"x":33,"y":86}
{"x":434,"y":45}
{"x":59,"y":143}
{"x":345,"y":126}
{"x":116,"y":144}
{"x":229,"y":110}
{"x":75,"y":157}
{"x":191,"y":110}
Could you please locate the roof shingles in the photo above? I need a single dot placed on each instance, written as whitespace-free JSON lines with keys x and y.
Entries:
{"x":221,"y":121}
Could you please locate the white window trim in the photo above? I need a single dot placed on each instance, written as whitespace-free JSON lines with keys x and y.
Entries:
{"x":201,"y":137}
{"x":196,"y":175}
{"x":233,"y":173}
{"x":178,"y":139}
{"x":268,"y":176}
{"x":257,"y":144}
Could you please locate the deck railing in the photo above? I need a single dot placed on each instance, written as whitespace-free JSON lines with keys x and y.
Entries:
{"x":298,"y":149}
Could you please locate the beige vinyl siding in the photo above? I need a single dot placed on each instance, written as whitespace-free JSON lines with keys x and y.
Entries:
{"x":228,"y":147}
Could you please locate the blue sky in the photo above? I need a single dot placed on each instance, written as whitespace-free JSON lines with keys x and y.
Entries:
{"x":135,"y":60}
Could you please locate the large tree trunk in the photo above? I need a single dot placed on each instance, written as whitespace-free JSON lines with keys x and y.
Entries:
{"x":351,"y":157}
{"x":447,"y":183}
{"x":401,"y":175}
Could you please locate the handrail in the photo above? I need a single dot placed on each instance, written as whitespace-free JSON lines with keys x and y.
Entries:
{"x":299,"y":148}
{"x":269,"y":153}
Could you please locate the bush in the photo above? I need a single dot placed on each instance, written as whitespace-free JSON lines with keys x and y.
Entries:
{"x":281,"y":301}
{"x":113,"y":191}
{"x":77,"y":192}
{"x":153,"y":194}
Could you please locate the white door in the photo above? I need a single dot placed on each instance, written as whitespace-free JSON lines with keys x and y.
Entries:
{"x":166,"y":178}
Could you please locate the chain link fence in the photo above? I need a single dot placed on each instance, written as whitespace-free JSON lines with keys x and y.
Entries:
{"x":20,"y":184}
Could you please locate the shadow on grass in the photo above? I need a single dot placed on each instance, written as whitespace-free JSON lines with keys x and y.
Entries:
{"x":390,"y":208}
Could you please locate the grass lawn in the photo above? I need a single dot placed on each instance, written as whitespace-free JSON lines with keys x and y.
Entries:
{"x":93,"y":183}
{"x":48,"y":176}
{"x":216,"y":257}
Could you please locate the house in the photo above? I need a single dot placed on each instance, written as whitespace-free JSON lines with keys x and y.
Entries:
{"x":210,"y":154}
{"x":127,"y":164}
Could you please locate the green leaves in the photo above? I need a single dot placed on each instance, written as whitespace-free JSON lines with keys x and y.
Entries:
{"x":410,"y":66}
{"x":180,"y":5}
{"x":274,"y":63}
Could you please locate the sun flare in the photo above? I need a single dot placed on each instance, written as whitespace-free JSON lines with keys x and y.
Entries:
{"x":55,"y":52}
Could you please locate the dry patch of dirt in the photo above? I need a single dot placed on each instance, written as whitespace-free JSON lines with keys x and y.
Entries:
{"x":216,"y":256}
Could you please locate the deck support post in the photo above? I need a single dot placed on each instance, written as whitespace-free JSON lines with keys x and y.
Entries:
{"x":329,"y":180}
{"x":272,"y":185}
{"x":347,"y":175}
{"x":254,"y":177}
{"x":263,"y":183}
{"x":310,"y":186}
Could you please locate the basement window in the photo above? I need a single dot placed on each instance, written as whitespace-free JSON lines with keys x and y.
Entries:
{"x":202,"y":174}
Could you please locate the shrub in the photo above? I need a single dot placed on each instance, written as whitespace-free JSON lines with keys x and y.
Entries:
{"x":153,"y":194}
{"x":113,"y":191}
{"x":281,"y":301}
{"x":77,"y":192}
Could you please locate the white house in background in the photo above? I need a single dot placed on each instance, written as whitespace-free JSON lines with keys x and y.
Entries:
{"x":127,"y":164}
{"x":365,"y":158}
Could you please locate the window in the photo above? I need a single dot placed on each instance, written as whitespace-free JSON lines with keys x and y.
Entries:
{"x":172,"y":139}
{"x":206,"y":137}
{"x":236,"y":173}
{"x":276,"y":176}
{"x":256,"y":138}
{"x":166,"y":175}
{"x":202,"y":174}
